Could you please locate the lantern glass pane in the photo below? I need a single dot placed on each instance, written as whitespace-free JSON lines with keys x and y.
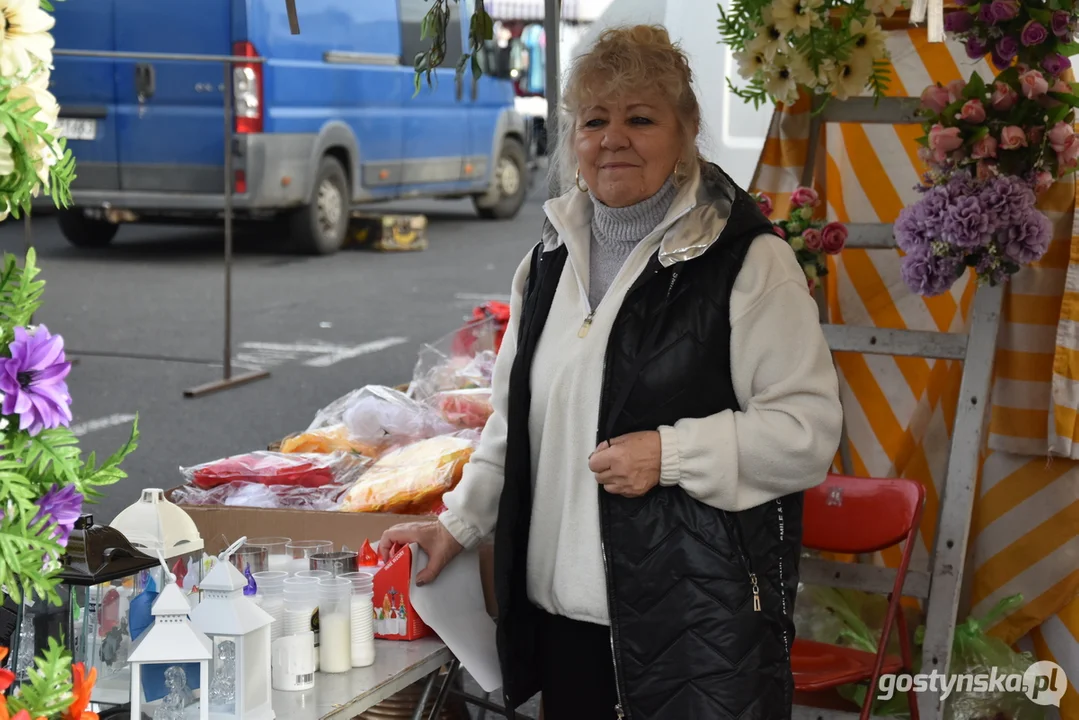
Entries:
{"x":255,"y":688}
{"x":169,"y":690}
{"x":117,"y":612}
{"x":224,"y":674}
{"x":189,"y":572}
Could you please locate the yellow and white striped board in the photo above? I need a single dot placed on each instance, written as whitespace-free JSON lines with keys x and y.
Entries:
{"x":900,"y":411}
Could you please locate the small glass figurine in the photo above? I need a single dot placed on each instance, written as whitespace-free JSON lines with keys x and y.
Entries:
{"x":223,"y":686}
{"x":172,"y":707}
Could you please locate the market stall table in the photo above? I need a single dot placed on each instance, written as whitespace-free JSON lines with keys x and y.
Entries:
{"x":346,"y":695}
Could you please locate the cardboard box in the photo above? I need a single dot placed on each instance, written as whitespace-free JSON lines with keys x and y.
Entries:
{"x":220,"y":526}
{"x":395,"y":618}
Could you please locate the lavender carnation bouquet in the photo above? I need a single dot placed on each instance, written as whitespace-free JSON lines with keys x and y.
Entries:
{"x":44,"y":480}
{"x":990,"y":225}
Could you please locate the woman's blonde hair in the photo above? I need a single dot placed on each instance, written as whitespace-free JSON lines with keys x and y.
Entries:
{"x":640,"y":58}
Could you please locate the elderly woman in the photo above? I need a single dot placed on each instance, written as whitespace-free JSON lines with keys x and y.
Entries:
{"x":663,"y":396}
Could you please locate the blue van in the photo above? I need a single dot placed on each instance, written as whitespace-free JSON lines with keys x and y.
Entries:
{"x":327,"y":121}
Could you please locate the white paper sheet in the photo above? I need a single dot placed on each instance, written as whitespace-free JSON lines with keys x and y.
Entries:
{"x":453,"y":607}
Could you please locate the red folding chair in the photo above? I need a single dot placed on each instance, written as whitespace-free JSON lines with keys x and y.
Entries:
{"x":854,"y":515}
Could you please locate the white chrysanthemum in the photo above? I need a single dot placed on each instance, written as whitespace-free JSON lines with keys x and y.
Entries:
{"x":26,"y":37}
{"x":780,"y":81}
{"x":797,"y":16}
{"x":883,"y":7}
{"x":750,"y":61}
{"x":852,"y":75}
{"x":869,"y":37}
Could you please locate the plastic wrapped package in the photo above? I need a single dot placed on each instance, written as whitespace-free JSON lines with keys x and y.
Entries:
{"x":465,"y":408}
{"x":335,"y":438}
{"x":975,"y":652}
{"x":462,"y":359}
{"x":413,"y":478}
{"x":256,"y":495}
{"x":272,"y":468}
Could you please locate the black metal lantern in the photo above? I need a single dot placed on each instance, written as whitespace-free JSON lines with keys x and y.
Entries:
{"x":102,"y":578}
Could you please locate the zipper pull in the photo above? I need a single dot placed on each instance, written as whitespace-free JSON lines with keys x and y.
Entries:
{"x":756,"y":592}
{"x":618,"y":711}
{"x":586,"y":325}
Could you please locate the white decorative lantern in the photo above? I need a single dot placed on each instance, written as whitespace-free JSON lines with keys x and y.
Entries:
{"x":173,"y":642}
{"x":155,"y":525}
{"x":240,"y":681}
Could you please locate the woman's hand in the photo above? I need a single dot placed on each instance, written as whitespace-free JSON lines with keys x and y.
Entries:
{"x":629,"y":465}
{"x":432,"y":537}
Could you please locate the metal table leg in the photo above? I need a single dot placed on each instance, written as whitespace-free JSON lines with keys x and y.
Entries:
{"x":417,"y":714}
{"x":444,"y":691}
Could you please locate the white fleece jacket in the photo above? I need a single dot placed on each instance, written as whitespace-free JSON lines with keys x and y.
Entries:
{"x":783,"y":439}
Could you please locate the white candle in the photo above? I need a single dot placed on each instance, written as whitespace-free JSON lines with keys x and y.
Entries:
{"x":335,"y":647}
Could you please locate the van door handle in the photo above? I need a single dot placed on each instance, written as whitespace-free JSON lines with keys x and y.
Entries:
{"x":145,"y":81}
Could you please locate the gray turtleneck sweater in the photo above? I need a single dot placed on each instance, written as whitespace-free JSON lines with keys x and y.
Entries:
{"x":616,"y":231}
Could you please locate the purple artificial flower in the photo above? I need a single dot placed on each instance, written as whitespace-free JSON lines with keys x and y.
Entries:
{"x":1005,"y":51}
{"x":32,"y":380}
{"x":62,"y":506}
{"x":928,"y":274}
{"x":958,"y":21}
{"x":990,"y":268}
{"x":1034,"y":33}
{"x":1055,"y":63}
{"x":976,"y":48}
{"x":966,"y":225}
{"x":919,"y":224}
{"x":1061,"y":24}
{"x":1006,"y":201}
{"x":1003,"y":10}
{"x":1027,"y":240}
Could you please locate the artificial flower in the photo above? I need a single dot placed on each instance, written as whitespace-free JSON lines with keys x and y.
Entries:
{"x":769,"y":40}
{"x":1006,"y":50}
{"x":1060,"y":136}
{"x":765,"y":204}
{"x":750,"y":61}
{"x":1034,"y":33}
{"x":944,"y":140}
{"x":796,"y":16}
{"x":27,"y":40}
{"x":958,"y":21}
{"x":956,"y":89}
{"x":1043,"y":180}
{"x":1055,"y":63}
{"x":812,"y":239}
{"x":1060,"y":87}
{"x":1004,"y":96}
{"x":886,"y":8}
{"x":868,"y":36}
{"x":935,"y":98}
{"x":1012,"y":137}
{"x":7,"y":159}
{"x":32,"y":380}
{"x":61,"y":506}
{"x":1027,"y":240}
{"x":928,"y":274}
{"x":976,"y":48}
{"x":1035,"y":134}
{"x":1061,"y":24}
{"x":804,"y":197}
{"x":852,"y":75}
{"x":1000,"y":11}
{"x":82,"y":687}
{"x":972,"y":112}
{"x":35,"y":93}
{"x":1033,"y":84}
{"x":7,"y":678}
{"x":983,"y":148}
{"x":833,"y":237}
{"x":780,"y":80}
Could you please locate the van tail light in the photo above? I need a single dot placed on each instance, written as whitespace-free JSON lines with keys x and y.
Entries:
{"x":247,"y":90}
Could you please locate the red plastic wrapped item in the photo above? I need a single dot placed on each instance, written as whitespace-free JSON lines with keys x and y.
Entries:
{"x":465,"y":408}
{"x":498,"y":312}
{"x":269,"y":468}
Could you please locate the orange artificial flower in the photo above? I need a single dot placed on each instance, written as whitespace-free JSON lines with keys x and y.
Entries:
{"x":82,"y":687}
{"x":6,"y":676}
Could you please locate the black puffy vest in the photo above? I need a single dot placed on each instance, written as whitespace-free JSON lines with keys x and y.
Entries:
{"x":687,"y":639}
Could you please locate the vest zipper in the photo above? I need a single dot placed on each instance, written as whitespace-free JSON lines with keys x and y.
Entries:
{"x":586,"y":325}
{"x":782,"y":577}
{"x":735,"y":533}
{"x":620,"y":709}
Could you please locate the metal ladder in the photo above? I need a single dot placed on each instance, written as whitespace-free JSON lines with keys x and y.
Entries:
{"x":941,"y":589}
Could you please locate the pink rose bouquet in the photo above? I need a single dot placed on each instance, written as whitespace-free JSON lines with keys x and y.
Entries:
{"x":811,"y":239}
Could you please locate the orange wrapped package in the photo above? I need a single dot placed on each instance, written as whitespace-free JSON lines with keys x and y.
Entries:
{"x":411,"y":479}
{"x":328,"y":440}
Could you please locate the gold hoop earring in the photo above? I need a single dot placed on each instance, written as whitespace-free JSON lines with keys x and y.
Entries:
{"x":577,"y":180}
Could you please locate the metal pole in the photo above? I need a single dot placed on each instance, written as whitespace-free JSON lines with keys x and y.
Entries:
{"x":552,"y":21}
{"x":228,"y":220}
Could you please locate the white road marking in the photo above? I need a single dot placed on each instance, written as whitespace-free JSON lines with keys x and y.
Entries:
{"x":354,"y":352}
{"x":307,"y":347}
{"x":482,"y":297}
{"x":100,"y":424}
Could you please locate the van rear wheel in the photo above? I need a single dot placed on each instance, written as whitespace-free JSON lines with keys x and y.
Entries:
{"x":320,"y":228}
{"x":510,"y":181}
{"x":85,"y":232}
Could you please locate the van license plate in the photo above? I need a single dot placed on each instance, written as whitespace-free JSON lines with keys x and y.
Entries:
{"x":77,"y":128}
